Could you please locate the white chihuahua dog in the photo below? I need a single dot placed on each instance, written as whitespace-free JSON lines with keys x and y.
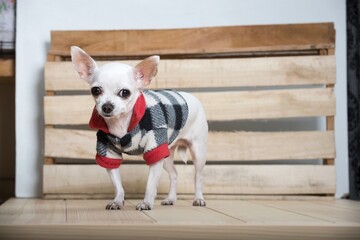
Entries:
{"x":135,"y":121}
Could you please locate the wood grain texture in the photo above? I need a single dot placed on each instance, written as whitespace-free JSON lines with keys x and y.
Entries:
{"x":269,"y":104}
{"x":32,"y":211}
{"x":185,"y":213}
{"x":196,"y":40}
{"x":254,"y":213}
{"x":200,"y":73}
{"x":339,"y":203}
{"x":179,"y":232}
{"x":83,"y":212}
{"x":330,"y":213}
{"x":7,"y":67}
{"x":235,"y":146}
{"x":218,"y":179}
{"x":225,"y":219}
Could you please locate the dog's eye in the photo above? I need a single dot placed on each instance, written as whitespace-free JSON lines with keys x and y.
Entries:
{"x":124,"y":93}
{"x":96,"y":91}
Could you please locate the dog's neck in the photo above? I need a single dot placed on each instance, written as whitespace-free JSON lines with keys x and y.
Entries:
{"x":118,"y":126}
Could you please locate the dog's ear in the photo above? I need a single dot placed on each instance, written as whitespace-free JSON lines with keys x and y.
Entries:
{"x":84,"y":64}
{"x":146,"y":70}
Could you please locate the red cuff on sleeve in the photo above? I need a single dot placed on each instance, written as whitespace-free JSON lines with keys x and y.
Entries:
{"x":157,"y":154}
{"x":109,"y":163}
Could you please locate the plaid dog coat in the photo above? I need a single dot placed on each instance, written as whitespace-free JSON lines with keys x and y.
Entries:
{"x":157,"y":118}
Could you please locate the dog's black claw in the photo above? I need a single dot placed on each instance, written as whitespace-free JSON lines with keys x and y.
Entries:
{"x":114,"y":206}
{"x":167,"y":202}
{"x":143,"y":206}
{"x":199,"y":202}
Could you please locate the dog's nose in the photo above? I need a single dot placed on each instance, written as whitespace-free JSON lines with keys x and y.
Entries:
{"x":107,"y":108}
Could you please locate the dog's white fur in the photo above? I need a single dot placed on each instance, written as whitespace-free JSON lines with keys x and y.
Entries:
{"x":112,"y":78}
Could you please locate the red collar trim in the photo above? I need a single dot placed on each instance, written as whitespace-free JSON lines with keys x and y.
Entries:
{"x":138,"y":112}
{"x":98,"y":122}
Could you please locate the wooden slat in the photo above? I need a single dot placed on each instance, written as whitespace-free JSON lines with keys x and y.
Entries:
{"x":91,"y":212}
{"x":32,"y":211}
{"x":87,"y":219}
{"x":84,"y":212}
{"x":238,"y":146}
{"x":272,"y":71}
{"x":7,"y":67}
{"x":219,"y":106}
{"x":196,"y":40}
{"x":218,"y":179}
{"x":268,"y":104}
{"x":352,"y":205}
{"x":324,"y":212}
{"x":182,"y":232}
{"x":254,"y":213}
{"x":184,"y":213}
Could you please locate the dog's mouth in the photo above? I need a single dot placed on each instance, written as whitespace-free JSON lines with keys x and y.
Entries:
{"x":107,"y":115}
{"x":111,"y":114}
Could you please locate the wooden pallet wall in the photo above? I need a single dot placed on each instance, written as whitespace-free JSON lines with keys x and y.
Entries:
{"x":238,"y":73}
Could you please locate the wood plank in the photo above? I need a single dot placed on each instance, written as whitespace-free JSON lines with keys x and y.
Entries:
{"x":200,"y":73}
{"x":341,"y":203}
{"x":269,"y":104}
{"x":253,"y":213}
{"x":185,"y":231}
{"x":218,"y":179}
{"x":7,"y":67}
{"x":259,"y":226}
{"x":341,"y":216}
{"x":85,"y":212}
{"x":196,"y":40}
{"x":235,"y":146}
{"x":184,"y":213}
{"x":32,"y":211}
{"x":62,"y":143}
{"x":264,"y":145}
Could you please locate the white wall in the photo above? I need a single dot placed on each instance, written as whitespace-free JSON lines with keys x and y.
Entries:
{"x":36,"y":18}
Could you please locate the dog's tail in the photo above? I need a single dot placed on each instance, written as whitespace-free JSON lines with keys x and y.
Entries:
{"x":181,"y":150}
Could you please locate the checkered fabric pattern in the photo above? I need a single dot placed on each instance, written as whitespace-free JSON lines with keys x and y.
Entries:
{"x":160,"y":115}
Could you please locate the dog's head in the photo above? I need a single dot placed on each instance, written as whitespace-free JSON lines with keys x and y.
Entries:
{"x":114,"y":86}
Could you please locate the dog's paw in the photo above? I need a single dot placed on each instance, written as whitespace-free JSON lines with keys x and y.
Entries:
{"x":143,"y":206}
{"x":198,"y":202}
{"x":115,"y":206}
{"x":167,"y":202}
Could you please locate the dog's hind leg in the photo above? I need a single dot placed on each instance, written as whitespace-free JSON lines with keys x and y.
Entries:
{"x":198,"y":151}
{"x":195,"y":133}
{"x":170,"y":169}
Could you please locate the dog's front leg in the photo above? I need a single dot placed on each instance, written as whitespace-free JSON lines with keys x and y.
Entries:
{"x":118,"y":202}
{"x":151,"y":187}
